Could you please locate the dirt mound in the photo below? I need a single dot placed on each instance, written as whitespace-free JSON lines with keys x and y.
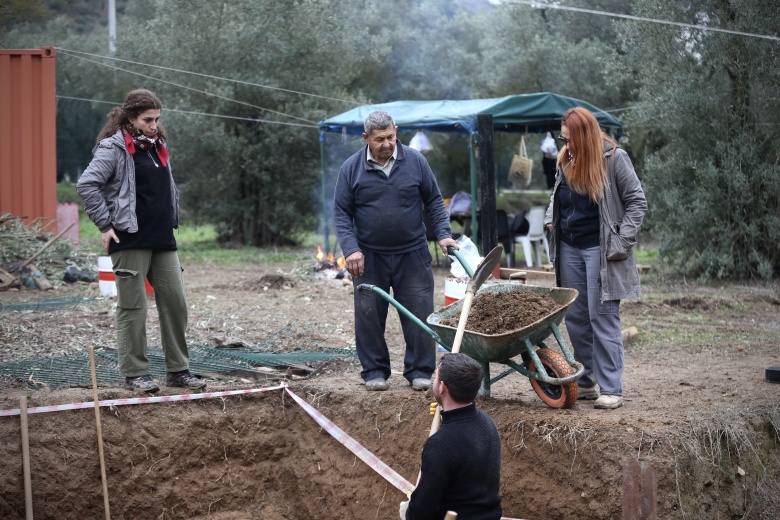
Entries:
{"x":264,"y":283}
{"x":499,"y":312}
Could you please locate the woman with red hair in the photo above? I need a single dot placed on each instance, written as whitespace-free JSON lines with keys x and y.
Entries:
{"x":596,"y":209}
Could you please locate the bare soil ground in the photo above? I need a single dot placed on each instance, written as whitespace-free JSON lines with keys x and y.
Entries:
{"x":696,"y":406}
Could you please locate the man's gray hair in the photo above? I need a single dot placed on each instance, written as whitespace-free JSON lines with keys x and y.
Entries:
{"x":378,"y":120}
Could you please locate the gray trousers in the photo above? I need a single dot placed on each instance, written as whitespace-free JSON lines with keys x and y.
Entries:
{"x":593,"y":325}
{"x":164,"y":272}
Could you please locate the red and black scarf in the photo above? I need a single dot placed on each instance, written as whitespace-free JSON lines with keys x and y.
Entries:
{"x":137,"y":138}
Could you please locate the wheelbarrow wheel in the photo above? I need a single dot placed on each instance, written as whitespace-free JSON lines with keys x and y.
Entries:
{"x":555,"y":396}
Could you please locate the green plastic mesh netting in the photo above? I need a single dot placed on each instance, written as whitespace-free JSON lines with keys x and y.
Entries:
{"x":290,"y":346}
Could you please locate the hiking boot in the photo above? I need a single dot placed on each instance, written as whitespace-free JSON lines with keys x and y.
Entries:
{"x":608,"y":402}
{"x":376,"y":384}
{"x":421,"y":383}
{"x":142,"y":384}
{"x":184,"y":379}
{"x":587,"y":393}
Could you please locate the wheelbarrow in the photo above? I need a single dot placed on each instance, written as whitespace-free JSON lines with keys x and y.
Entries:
{"x":553,"y":376}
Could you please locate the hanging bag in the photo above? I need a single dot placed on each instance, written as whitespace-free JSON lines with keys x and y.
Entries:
{"x":520,"y":169}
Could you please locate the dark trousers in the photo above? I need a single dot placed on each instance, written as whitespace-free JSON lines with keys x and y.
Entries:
{"x":411,"y":279}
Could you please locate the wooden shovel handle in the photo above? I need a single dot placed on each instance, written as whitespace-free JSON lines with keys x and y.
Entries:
{"x":464,"y":316}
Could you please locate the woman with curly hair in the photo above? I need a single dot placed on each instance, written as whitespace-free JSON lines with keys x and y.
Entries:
{"x":129,"y":194}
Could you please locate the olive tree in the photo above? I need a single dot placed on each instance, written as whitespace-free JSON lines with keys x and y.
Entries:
{"x":707,"y":116}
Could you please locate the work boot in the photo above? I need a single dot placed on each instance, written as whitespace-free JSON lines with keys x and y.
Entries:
{"x":608,"y":402}
{"x":142,"y":384}
{"x":421,"y":383}
{"x":184,"y":379}
{"x":376,"y":384}
{"x":587,"y":393}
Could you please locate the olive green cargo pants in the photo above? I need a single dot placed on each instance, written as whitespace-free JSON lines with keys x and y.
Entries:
{"x":164,"y":272}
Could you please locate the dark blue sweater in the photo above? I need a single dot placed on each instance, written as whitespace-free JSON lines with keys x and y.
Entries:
{"x":384,"y":214}
{"x":579,"y":221}
{"x":461,"y":469}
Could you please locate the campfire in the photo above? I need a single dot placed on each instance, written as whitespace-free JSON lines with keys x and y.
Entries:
{"x":329,"y":266}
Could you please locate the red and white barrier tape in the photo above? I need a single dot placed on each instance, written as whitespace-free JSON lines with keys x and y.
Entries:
{"x":337,"y":433}
{"x":355,"y":447}
{"x":137,"y":400}
{"x":361,"y":452}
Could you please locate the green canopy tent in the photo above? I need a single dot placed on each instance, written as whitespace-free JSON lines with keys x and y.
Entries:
{"x":522,"y":113}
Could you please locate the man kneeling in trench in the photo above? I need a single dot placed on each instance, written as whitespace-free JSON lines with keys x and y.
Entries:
{"x":461,"y":463}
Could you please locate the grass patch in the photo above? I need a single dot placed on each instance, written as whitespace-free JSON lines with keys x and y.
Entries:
{"x":66,"y":193}
{"x":209,"y":252}
{"x":646,"y":256}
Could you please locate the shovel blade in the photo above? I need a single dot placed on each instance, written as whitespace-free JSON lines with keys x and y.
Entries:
{"x":485,"y":269}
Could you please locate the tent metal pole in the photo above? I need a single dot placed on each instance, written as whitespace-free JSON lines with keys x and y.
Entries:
{"x":325,"y":216}
{"x":487,"y":182}
{"x":473,"y":168}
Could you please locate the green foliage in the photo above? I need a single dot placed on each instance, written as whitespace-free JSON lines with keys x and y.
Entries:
{"x":706,"y":121}
{"x":66,"y":193}
{"x":702,"y":122}
{"x":15,"y":12}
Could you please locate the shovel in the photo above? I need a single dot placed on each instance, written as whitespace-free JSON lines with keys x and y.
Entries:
{"x":481,"y":273}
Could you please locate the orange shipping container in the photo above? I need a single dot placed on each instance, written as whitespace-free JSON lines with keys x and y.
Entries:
{"x":28,"y":138}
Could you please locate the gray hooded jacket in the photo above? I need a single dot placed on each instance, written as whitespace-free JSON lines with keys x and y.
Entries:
{"x":107,"y":187}
{"x":622,"y":208}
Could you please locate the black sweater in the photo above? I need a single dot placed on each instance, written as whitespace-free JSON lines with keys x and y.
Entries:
{"x":461,"y":468}
{"x":152,"y":207}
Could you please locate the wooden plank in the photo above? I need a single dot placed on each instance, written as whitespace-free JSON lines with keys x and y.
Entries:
{"x":531,"y":277}
{"x":648,"y":485}
{"x":641,"y":269}
{"x":639,"y":491}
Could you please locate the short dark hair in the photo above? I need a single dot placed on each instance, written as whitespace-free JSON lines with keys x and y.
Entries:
{"x":462,"y":375}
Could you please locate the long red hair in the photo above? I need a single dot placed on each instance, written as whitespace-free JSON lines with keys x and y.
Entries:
{"x":585,"y":171}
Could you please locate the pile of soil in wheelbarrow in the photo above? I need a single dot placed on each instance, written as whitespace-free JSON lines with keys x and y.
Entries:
{"x":499,"y":312}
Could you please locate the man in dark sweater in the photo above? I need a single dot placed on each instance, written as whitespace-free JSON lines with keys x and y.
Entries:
{"x":461,"y":462}
{"x":381,"y":193}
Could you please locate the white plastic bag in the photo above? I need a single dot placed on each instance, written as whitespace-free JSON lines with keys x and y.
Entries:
{"x":470,"y":254}
{"x":549,"y":148}
{"x":420,"y":142}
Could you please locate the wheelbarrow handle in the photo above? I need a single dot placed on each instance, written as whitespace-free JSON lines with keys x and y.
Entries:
{"x":366,"y":287}
{"x":454,"y":252}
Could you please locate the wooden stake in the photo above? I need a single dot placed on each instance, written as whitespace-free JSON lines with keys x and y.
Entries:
{"x":99,"y":432}
{"x":45,"y":246}
{"x":28,"y":507}
{"x":639,"y":491}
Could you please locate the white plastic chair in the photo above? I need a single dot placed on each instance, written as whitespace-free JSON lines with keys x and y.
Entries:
{"x":535,"y":236}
